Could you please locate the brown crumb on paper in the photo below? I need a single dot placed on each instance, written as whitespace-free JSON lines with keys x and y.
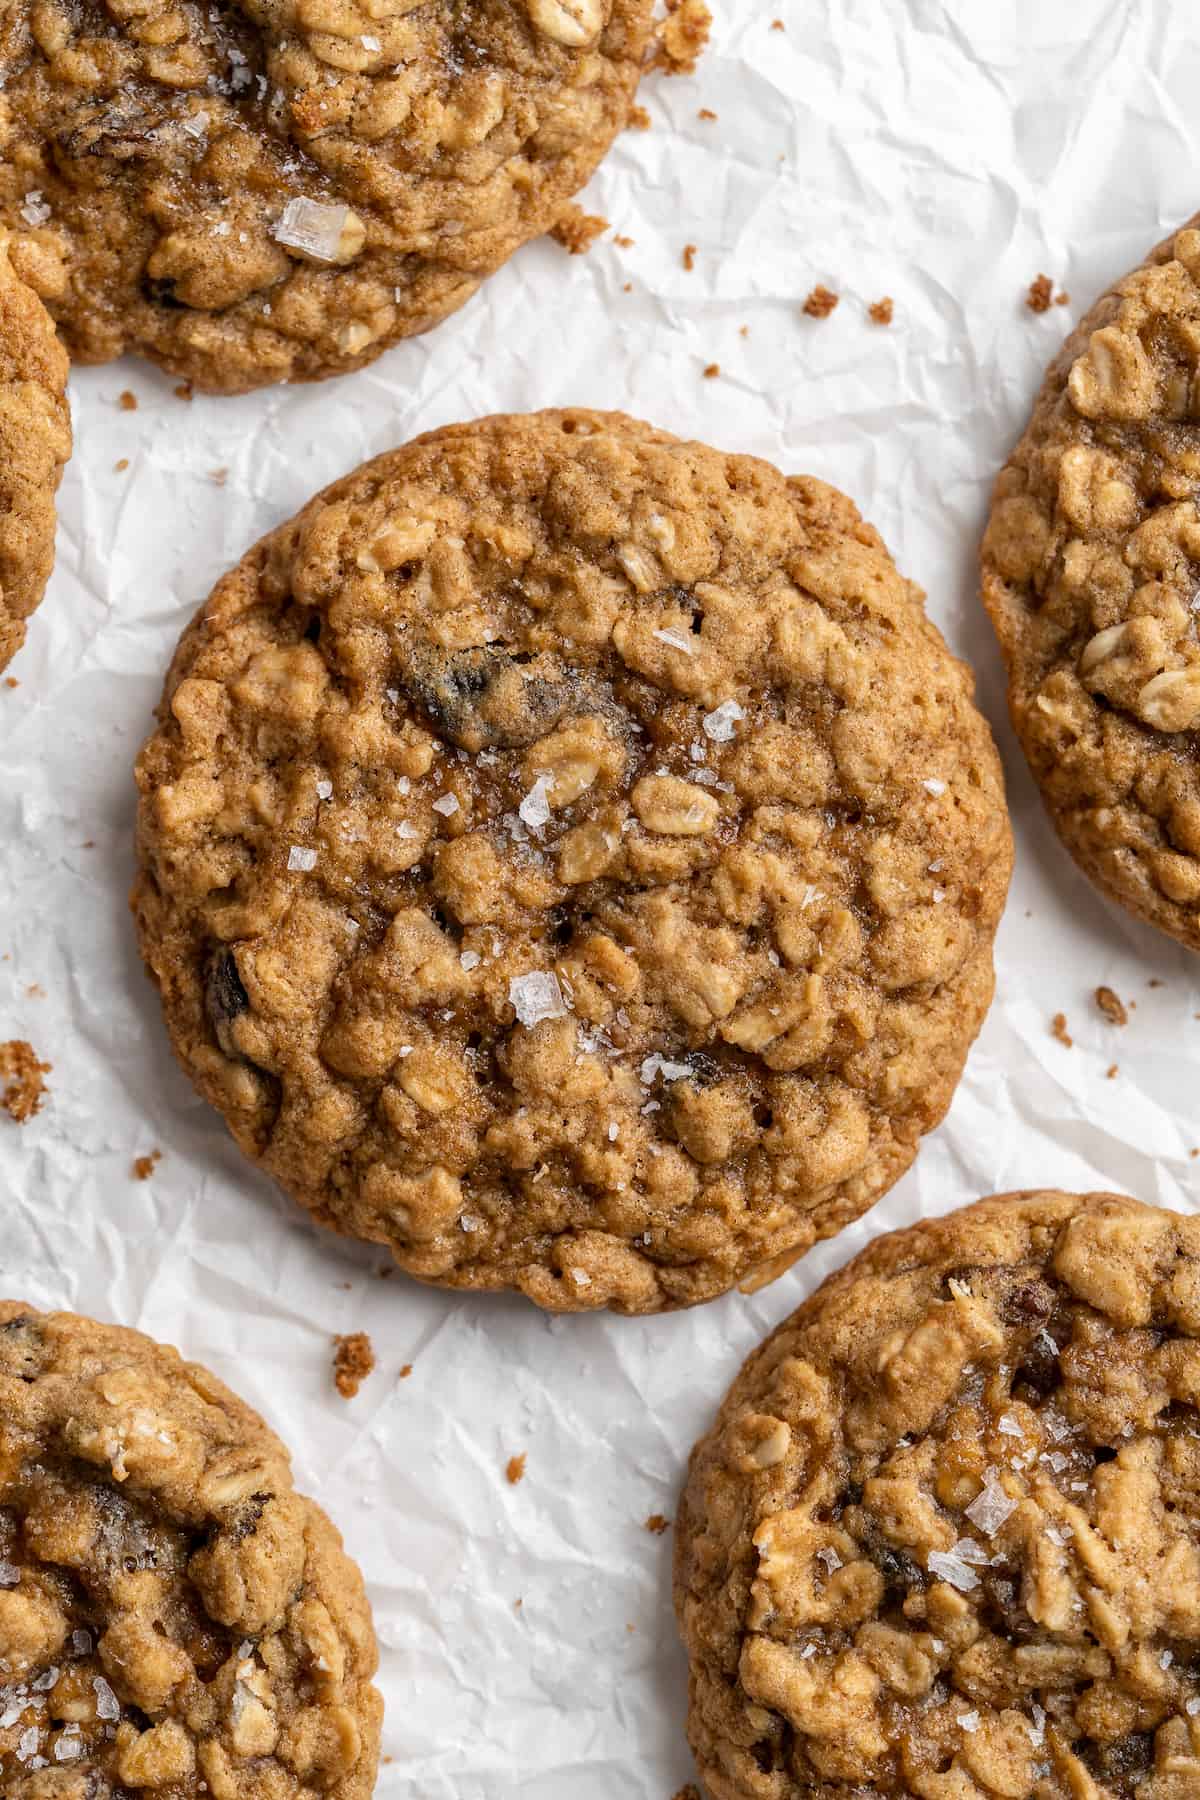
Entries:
{"x":1156,"y":981}
{"x":624,"y":243}
{"x":21,"y":1084}
{"x":184,"y":391}
{"x":144,"y":1166}
{"x":778,"y":25}
{"x":577,"y":230}
{"x":707,"y":113}
{"x":657,"y":1524}
{"x":681,"y":37}
{"x":689,"y":257}
{"x":1111,"y":1006}
{"x":820,"y":302}
{"x":121,"y":466}
{"x":881,"y":312}
{"x":218,"y":477}
{"x":1058,"y":1029}
{"x":127,"y":401}
{"x":514,"y":1470}
{"x":406,"y":1371}
{"x":639,"y":119}
{"x":10,"y":681}
{"x":1112,"y":1071}
{"x":353,"y":1360}
{"x":711,"y":371}
{"x":1041,"y":294}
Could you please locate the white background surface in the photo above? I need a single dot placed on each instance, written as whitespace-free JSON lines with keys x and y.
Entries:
{"x":940,"y":153}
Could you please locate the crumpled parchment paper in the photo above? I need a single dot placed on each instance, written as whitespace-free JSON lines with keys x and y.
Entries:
{"x":943,"y":152}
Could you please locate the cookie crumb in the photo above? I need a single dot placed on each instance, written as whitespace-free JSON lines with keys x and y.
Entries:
{"x":657,"y":1524}
{"x":121,"y":466}
{"x":514,"y":1469}
{"x":1040,"y":295}
{"x":1156,"y":981}
{"x":184,"y":391}
{"x":218,"y":477}
{"x":639,"y":119}
{"x":405,"y":1371}
{"x":10,"y":681}
{"x":1062,"y":299}
{"x":689,"y":257}
{"x":820,"y":302}
{"x":711,"y":371}
{"x":624,"y":243}
{"x":353,"y":1360}
{"x":1111,"y":1006}
{"x":577,"y":230}
{"x":21,"y":1084}
{"x":778,"y":25}
{"x":144,"y":1166}
{"x":627,"y":287}
{"x":681,"y":37}
{"x":881,"y":312}
{"x":1112,"y":1071}
{"x":706,"y":112}
{"x":127,"y":401}
{"x":1194,"y":1152}
{"x":1058,"y":1029}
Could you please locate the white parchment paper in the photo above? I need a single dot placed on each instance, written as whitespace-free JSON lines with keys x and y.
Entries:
{"x":940,"y":153}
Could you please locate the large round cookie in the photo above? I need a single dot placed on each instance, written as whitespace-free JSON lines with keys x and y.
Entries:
{"x":943,"y":1540}
{"x":570,"y":857}
{"x":271,"y":190}
{"x":1091,"y":572}
{"x":174,"y":1618}
{"x":35,"y":441}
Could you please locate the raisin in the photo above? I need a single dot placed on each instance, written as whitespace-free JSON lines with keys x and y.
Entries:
{"x":226,"y":999}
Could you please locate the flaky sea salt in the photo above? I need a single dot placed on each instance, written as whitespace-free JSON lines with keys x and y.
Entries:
{"x":969,"y":1721}
{"x":27,"y":1743}
{"x":195,"y":125}
{"x":1009,"y":1425}
{"x":535,"y":807}
{"x":108,"y":1707}
{"x":446,"y":804}
{"x":829,"y":1559}
{"x":991,"y":1506}
{"x":719,"y":724}
{"x":69,"y":1745}
{"x":1192,"y":1707}
{"x":324,"y":790}
{"x":1037,"y":1730}
{"x":1165,"y":1659}
{"x":950,"y":1568}
{"x":536,"y":997}
{"x":10,"y":1575}
{"x":34,"y":209}
{"x":934,"y":786}
{"x":677,"y":641}
{"x":470,"y":959}
{"x":81,"y":1643}
{"x":302,"y":859}
{"x":968,"y":1551}
{"x":371,"y":43}
{"x":405,"y":830}
{"x":312,"y":226}
{"x":661,"y":1065}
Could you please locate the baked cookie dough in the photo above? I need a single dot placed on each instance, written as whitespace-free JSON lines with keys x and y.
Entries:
{"x":1091,"y":573}
{"x":35,"y":441}
{"x":943,"y":1540}
{"x":570,"y":858}
{"x":276,"y":190}
{"x":174,"y":1618}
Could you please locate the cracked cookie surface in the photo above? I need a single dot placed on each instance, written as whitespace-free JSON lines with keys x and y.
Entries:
{"x":265,"y":190}
{"x":35,"y":441}
{"x":944,"y":1538}
{"x":1091,"y":572}
{"x":570,"y":858}
{"x":174,"y":1618}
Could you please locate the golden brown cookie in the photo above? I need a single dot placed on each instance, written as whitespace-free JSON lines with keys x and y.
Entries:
{"x":35,"y":441}
{"x":943,"y":1540}
{"x":570,"y":858}
{"x":276,"y":190}
{"x":174,"y":1618}
{"x":1091,"y":573}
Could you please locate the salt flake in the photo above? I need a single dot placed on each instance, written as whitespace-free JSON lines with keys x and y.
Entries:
{"x":470,"y":959}
{"x":676,"y":640}
{"x":1009,"y":1425}
{"x":536,"y":997}
{"x":446,"y":804}
{"x":324,"y":790}
{"x":313,"y":227}
{"x":107,"y":1705}
{"x":991,"y":1506}
{"x":934,"y":786}
{"x":302,"y":859}
{"x":719,"y":724}
{"x":535,"y":807}
{"x":969,"y":1721}
{"x":951,"y":1569}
